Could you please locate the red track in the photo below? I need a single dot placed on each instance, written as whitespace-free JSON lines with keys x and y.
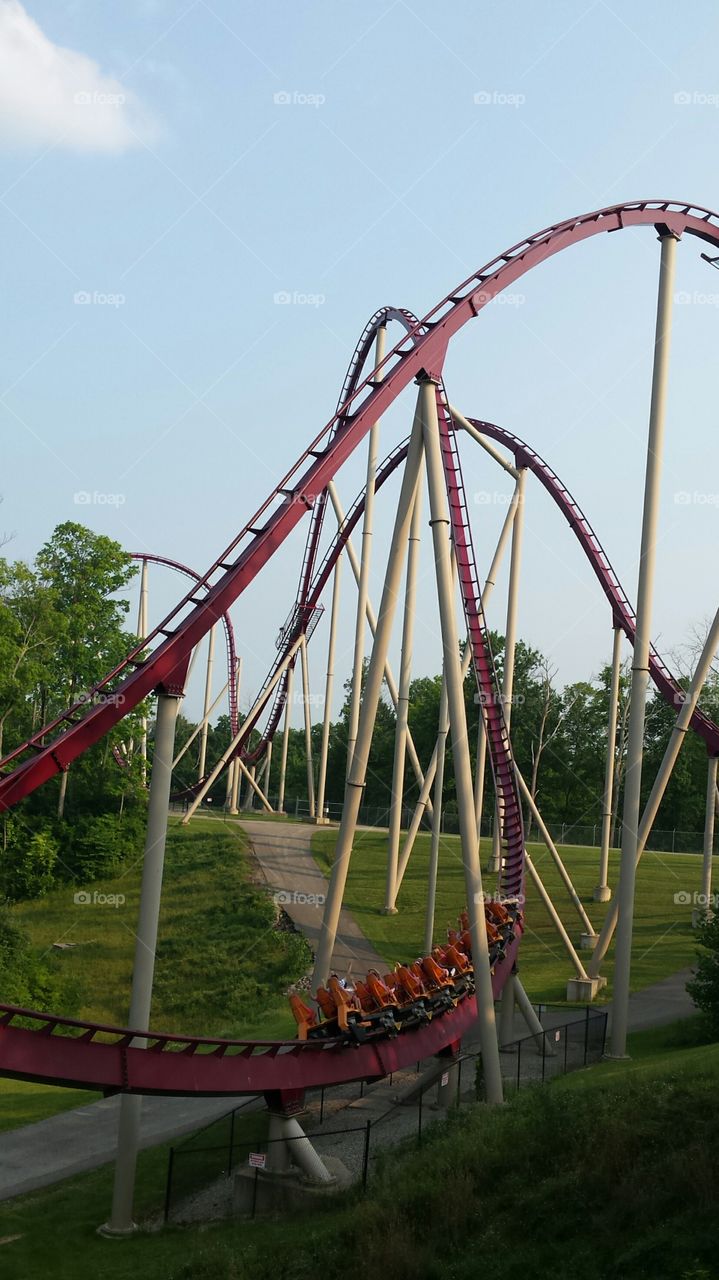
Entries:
{"x":424,"y":348}
{"x":47,"y":1050}
{"x":63,"y":1051}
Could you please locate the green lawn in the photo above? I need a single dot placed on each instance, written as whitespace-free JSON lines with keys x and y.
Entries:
{"x":605,"y":1173}
{"x":663,"y":937}
{"x":221,"y":969}
{"x":221,"y":964}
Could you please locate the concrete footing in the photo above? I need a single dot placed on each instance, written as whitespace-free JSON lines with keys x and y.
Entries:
{"x":602,"y":893}
{"x":259,"y":1191}
{"x":580,"y":990}
{"x":588,"y":941}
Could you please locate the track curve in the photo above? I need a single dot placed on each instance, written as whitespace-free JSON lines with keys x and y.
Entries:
{"x":421,"y":350}
{"x":69,"y":1052}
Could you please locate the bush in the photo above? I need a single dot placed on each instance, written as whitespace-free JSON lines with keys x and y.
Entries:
{"x":704,"y":986}
{"x":93,"y":846}
{"x":25,"y":978}
{"x":28,"y":862}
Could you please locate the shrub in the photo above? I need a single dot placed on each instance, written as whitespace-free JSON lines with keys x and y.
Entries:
{"x":704,"y":986}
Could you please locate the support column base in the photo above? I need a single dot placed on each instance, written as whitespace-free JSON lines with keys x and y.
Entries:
{"x":492,"y":866}
{"x":390,"y":911}
{"x":117,"y":1233}
{"x":580,"y":990}
{"x":588,"y":941}
{"x":322,"y":822}
{"x":602,"y":893}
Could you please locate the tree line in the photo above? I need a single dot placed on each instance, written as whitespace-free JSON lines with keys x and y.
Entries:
{"x":64,"y":624}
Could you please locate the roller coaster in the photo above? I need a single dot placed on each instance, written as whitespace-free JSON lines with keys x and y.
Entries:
{"x":365,"y":1030}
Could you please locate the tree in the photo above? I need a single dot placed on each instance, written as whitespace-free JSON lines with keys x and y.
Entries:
{"x":29,"y":629}
{"x":84,"y":570}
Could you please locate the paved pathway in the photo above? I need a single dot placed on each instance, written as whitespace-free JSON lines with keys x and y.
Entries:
{"x":283,"y":852}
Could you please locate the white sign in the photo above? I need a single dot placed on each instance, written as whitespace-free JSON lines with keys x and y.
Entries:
{"x":258,"y":1160}
{"x":557,"y":1036}
{"x":445,"y":1079}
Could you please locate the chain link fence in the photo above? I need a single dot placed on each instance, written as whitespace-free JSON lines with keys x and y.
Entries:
{"x":240,"y":1138}
{"x":587,"y":835}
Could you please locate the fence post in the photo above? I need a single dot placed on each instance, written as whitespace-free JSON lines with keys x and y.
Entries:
{"x":519,"y":1065}
{"x":254,"y":1192}
{"x":586,"y":1033}
{"x":232,"y":1143}
{"x":168,"y":1187}
{"x":365,"y":1162}
{"x":544,"y":1053}
{"x":566,"y":1047}
{"x":673,"y":835}
{"x":419,"y":1119}
{"x":322,"y":1104}
{"x":459,"y":1081}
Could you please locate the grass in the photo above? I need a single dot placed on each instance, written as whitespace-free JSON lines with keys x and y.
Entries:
{"x":24,"y":1103}
{"x":221,"y":967}
{"x":606,"y":1173}
{"x":663,"y":936}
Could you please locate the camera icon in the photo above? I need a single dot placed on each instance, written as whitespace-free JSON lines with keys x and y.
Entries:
{"x":283,"y":298}
{"x":482,"y":98}
{"x":82,"y":898}
{"x":282,"y":98}
{"x":282,"y":897}
{"x":682,"y":98}
{"x":83,"y":98}
{"x":82,"y":498}
{"x":82,"y":298}
{"x":682,"y":899}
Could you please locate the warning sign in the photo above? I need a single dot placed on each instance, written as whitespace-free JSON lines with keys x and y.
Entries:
{"x":445,"y":1079}
{"x":258,"y":1160}
{"x":557,"y":1036}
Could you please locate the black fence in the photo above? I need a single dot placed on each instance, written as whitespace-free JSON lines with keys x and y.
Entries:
{"x":587,"y":835}
{"x":240,"y":1137}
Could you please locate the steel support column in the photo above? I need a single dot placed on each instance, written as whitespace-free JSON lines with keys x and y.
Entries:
{"x":640,"y":661}
{"x":603,"y":893}
{"x":460,"y":745}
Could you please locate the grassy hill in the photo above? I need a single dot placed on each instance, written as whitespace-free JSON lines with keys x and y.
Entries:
{"x":222,"y":966}
{"x":609,"y":1174}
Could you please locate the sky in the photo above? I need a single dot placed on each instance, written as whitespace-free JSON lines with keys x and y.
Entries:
{"x":201,"y":205}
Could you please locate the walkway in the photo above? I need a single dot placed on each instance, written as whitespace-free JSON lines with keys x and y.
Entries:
{"x":283,"y":851}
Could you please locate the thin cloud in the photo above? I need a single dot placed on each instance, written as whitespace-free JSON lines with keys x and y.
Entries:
{"x":55,"y":96}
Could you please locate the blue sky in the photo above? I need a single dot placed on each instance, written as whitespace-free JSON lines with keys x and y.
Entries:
{"x":180,"y":164}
